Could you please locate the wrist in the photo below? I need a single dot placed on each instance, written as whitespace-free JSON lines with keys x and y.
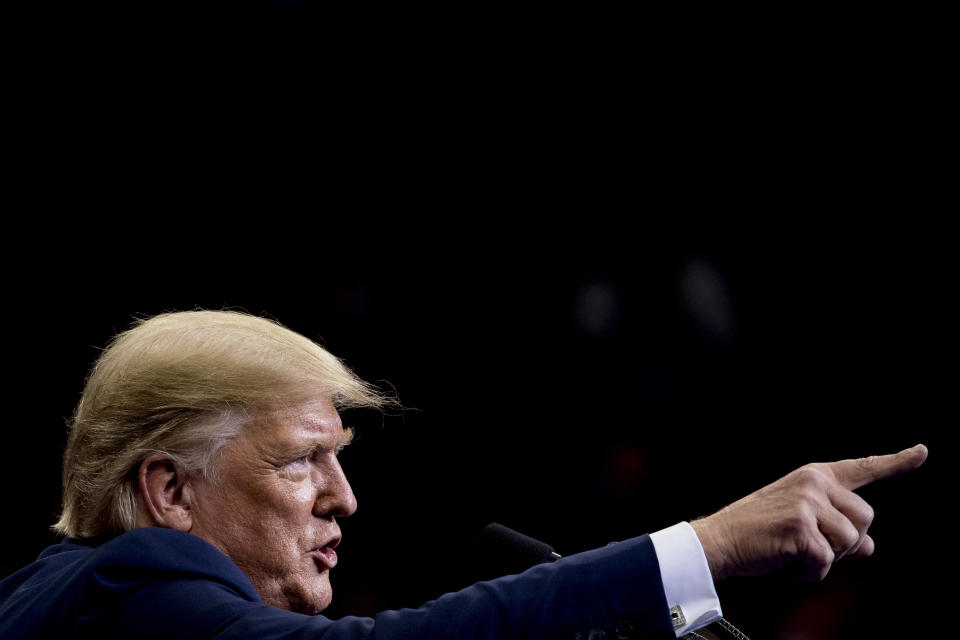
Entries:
{"x":710,"y":540}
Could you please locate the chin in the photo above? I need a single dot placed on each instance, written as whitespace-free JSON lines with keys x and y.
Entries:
{"x":313,"y":607}
{"x":310,"y":599}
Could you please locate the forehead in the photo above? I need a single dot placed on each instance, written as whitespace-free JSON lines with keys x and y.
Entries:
{"x":316,"y":420}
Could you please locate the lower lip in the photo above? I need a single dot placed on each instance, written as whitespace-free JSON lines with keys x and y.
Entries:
{"x":325,"y":557}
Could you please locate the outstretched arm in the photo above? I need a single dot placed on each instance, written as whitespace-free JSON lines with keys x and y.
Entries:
{"x":810,"y":518}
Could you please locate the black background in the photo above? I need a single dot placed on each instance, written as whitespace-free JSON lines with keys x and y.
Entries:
{"x":613,"y":286}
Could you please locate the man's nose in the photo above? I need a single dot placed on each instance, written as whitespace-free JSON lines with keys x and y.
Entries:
{"x":336,"y":497}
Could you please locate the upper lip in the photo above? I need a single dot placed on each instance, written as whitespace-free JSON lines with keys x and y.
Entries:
{"x":332,"y":543}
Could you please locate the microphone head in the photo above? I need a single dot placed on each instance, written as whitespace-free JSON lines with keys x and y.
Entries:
{"x":501,"y":551}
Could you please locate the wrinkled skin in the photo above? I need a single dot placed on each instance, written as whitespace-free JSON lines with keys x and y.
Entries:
{"x":274,"y":506}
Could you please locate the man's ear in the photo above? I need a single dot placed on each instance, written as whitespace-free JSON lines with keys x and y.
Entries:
{"x":164,"y":502}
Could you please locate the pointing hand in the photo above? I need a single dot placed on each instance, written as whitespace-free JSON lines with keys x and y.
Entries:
{"x":810,"y":517}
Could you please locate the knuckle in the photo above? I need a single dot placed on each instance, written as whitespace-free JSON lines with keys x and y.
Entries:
{"x":798,"y":520}
{"x":792,"y":524}
{"x":812,"y":475}
{"x":828,"y":558}
{"x":850,"y":540}
{"x":807,"y":470}
{"x":866,"y":515}
{"x":804,"y":475}
{"x":820,"y":556}
{"x":826,"y":555}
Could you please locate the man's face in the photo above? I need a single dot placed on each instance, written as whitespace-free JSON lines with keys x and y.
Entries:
{"x":273,"y":509}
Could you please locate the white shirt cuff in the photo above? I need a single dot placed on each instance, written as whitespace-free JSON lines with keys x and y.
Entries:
{"x":687,"y":582}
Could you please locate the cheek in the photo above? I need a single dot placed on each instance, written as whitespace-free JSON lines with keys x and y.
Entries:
{"x":282,"y":515}
{"x":273,"y":509}
{"x":295,"y":494}
{"x":303,"y":493}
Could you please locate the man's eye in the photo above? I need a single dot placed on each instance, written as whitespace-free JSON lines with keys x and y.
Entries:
{"x":303,"y":459}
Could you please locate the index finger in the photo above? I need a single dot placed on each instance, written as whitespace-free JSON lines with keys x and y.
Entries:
{"x":860,"y":471}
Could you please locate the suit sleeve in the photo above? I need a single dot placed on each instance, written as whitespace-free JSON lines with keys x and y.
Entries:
{"x":617,"y":583}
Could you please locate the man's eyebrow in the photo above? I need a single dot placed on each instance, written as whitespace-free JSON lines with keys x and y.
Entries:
{"x":341,"y":440}
{"x":346,"y":438}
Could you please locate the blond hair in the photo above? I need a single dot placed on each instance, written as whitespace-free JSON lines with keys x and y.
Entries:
{"x":183,"y":384}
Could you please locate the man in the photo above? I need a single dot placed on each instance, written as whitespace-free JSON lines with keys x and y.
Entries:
{"x":202,"y":492}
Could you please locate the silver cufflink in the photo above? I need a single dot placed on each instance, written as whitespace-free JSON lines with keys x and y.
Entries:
{"x":677,"y":617}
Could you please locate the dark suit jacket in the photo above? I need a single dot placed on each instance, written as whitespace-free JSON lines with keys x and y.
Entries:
{"x":160,"y":583}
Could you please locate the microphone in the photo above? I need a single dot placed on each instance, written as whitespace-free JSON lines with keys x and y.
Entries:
{"x":501,"y":551}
